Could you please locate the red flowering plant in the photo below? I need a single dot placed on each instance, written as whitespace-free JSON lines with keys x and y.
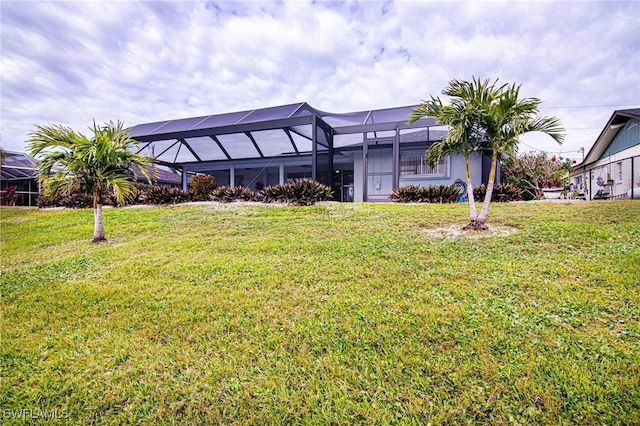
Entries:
{"x":532,"y":172}
{"x":10,"y":195}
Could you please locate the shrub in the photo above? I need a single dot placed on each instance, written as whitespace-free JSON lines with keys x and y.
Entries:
{"x":532,"y":172}
{"x":228,"y":194}
{"x":201,"y":187}
{"x":502,"y":193}
{"x":76,"y":200}
{"x":303,"y":192}
{"x":442,"y":194}
{"x":429,"y":194}
{"x":44,"y":202}
{"x":165,"y":195}
{"x":110,"y":199}
{"x":137,"y":194}
{"x":407,"y":194}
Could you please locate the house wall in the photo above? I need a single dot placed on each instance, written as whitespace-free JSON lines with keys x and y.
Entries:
{"x":382,"y":163}
{"x":455,"y":171}
{"x":622,"y":168}
{"x":379,"y":177}
{"x":627,"y":137}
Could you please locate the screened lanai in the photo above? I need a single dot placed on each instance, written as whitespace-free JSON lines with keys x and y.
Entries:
{"x":272,"y":145}
{"x":19,"y":170}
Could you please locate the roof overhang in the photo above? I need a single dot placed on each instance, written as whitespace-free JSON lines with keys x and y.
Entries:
{"x":613,"y":126}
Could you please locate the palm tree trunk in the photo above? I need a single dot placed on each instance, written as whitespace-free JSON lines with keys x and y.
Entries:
{"x":473,"y":212}
{"x":98,"y":228}
{"x":484,"y":213}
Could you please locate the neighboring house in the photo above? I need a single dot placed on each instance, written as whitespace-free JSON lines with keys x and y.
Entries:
{"x":19,"y":169}
{"x":362,"y":155}
{"x":162,"y":176}
{"x":611,"y":169}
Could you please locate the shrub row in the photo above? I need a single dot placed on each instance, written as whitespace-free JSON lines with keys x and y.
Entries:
{"x":426,"y":194}
{"x":164,"y":195}
{"x":302,"y":192}
{"x":228,"y":194}
{"x":141,"y":194}
{"x":502,"y":193}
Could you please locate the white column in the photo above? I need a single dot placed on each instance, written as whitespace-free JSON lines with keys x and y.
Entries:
{"x":232,"y":175}
{"x":184,"y":178}
{"x":281,"y":173}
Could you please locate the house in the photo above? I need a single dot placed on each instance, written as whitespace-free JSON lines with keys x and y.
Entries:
{"x":362,"y":155}
{"x":159,"y":175}
{"x":19,"y":169}
{"x":611,"y":168}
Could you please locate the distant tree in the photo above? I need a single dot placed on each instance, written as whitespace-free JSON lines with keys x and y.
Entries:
{"x":3,"y":155}
{"x":70,"y":162}
{"x":483,"y":118}
{"x":534,"y":171}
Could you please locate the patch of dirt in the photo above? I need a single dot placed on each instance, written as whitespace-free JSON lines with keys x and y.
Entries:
{"x":456,"y":231}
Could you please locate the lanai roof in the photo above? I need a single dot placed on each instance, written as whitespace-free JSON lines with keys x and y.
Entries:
{"x":17,"y":165}
{"x":259,"y":133}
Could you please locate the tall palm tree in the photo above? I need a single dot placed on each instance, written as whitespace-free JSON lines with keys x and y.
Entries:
{"x":70,"y":161}
{"x":505,"y":120}
{"x":483,"y":117}
{"x":463,"y":116}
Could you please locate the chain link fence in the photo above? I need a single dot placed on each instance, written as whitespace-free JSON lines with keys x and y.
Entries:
{"x":614,"y":180}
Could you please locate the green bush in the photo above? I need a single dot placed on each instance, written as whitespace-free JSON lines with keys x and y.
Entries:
{"x":44,"y":202}
{"x":201,"y":187}
{"x":228,"y":194}
{"x":165,"y":195}
{"x":502,"y":193}
{"x":75,"y":200}
{"x":136,"y":196}
{"x":303,"y":192}
{"x":429,"y":194}
{"x":407,"y":194}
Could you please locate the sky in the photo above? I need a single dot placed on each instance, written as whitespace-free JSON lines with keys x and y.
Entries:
{"x":71,"y":63}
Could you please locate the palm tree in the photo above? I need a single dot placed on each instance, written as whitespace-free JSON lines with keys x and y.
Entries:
{"x":463,"y":116}
{"x":483,"y":118}
{"x":70,"y":161}
{"x":505,"y":120}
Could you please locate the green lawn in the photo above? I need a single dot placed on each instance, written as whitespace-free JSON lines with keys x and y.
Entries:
{"x":332,"y":314}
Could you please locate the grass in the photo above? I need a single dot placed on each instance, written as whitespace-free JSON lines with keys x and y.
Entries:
{"x":332,"y":314}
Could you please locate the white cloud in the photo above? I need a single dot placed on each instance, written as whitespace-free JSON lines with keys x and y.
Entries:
{"x":69,"y":63}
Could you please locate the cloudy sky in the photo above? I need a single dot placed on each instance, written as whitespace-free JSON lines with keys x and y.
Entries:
{"x":72,"y":62}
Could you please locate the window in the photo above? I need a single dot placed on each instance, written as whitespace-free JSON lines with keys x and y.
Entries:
{"x":619,"y":168}
{"x":413,"y":163}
